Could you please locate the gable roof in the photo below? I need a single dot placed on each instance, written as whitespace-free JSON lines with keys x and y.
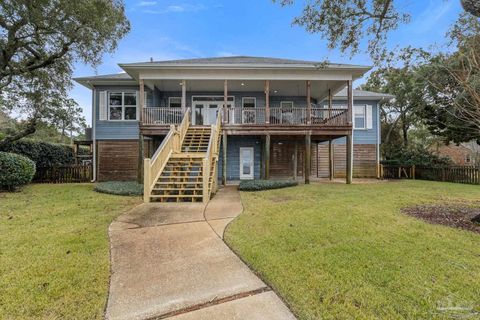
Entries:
{"x":243,"y":61}
{"x":364,"y":95}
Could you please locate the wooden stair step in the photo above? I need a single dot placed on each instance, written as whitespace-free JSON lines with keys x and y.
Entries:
{"x":177,"y":189}
{"x":176,"y":196}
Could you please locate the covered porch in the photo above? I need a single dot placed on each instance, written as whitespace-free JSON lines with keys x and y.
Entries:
{"x":247,"y":104}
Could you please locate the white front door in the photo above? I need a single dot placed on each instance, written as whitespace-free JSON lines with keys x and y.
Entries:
{"x":205,"y":113}
{"x":246,"y":163}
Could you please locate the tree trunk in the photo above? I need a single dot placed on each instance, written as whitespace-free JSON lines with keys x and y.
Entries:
{"x":30,"y":129}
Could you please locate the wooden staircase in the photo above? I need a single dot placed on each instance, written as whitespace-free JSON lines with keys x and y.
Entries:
{"x":184,"y":168}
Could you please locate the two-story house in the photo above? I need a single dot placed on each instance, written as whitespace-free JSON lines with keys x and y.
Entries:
{"x":184,"y":125}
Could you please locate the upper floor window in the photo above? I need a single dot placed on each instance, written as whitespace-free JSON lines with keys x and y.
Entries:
{"x":122,"y":106}
{"x":360,"y":117}
{"x":175,"y":102}
{"x":248,"y":102}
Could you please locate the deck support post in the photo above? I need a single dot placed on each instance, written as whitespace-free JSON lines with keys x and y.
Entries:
{"x":141,"y":143}
{"x":141,"y":140}
{"x":267,"y":157}
{"x":308,"y":156}
{"x":295,"y":161}
{"x":184,"y":96}
{"x":330,"y":160}
{"x":309,"y":102}
{"x":349,"y":175}
{"x":225,"y":102}
{"x":267,"y":101}
{"x":224,"y":158}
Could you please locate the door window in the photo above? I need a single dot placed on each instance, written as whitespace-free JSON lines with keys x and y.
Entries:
{"x":246,"y":163}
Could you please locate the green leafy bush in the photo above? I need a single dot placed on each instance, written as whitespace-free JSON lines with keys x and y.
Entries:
{"x":417,"y":155}
{"x":121,"y":188}
{"x":258,"y":185}
{"x":15,"y":170}
{"x":42,"y":153}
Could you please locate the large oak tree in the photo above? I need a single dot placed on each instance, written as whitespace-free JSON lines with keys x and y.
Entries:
{"x":345,"y":23}
{"x":40,"y":40}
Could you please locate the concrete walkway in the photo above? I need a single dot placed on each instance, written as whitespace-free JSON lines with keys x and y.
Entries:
{"x":169,"y":261}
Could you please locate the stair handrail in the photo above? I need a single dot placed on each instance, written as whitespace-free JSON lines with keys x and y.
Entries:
{"x":183,"y":126}
{"x":212,"y":151}
{"x":153,"y":167}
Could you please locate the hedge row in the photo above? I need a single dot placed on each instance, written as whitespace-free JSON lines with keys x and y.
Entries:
{"x":15,"y":170}
{"x":42,"y":153}
{"x":258,"y":185}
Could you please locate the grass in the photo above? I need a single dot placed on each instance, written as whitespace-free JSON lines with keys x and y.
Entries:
{"x":121,"y":188}
{"x":346,"y":252}
{"x":54,"y":251}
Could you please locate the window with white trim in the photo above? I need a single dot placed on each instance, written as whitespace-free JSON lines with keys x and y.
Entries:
{"x":249,"y":102}
{"x":286,"y":105}
{"x":360,"y":117}
{"x":175,"y":102}
{"x":122,"y":106}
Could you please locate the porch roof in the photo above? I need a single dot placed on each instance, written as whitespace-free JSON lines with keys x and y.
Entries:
{"x":165,"y":74}
{"x":244,"y":61}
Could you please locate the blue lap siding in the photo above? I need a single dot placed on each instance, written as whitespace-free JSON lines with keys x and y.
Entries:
{"x":234,"y":143}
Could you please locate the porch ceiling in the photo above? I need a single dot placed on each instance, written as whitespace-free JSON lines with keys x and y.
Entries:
{"x":319,"y":89}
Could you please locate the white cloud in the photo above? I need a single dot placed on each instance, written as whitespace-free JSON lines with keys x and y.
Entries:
{"x":431,"y":16}
{"x":176,"y":8}
{"x":147,"y":3}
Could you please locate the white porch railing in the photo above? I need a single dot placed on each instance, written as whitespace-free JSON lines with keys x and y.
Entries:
{"x":251,"y":116}
{"x":159,"y":116}
{"x":287,"y":116}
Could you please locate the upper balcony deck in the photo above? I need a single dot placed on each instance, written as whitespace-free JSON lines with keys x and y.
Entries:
{"x":254,"y":120}
{"x":248,"y":107}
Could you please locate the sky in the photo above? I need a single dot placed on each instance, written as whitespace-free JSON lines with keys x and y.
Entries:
{"x":177,"y":29}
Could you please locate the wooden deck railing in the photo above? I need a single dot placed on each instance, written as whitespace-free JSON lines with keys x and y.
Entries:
{"x":211,"y":158}
{"x":171,"y":143}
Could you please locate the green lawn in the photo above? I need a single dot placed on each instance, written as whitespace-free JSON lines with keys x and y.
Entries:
{"x":54,"y":252}
{"x":337,"y":251}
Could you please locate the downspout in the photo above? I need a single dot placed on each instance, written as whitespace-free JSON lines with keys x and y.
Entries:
{"x":94,"y":168}
{"x":379,"y":138}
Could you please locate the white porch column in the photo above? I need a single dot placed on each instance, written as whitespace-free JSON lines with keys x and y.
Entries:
{"x":267,"y":101}
{"x":184,"y":96}
{"x":225,"y":102}
{"x":309,"y":102}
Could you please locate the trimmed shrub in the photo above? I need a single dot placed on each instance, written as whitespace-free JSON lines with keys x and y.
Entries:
{"x":258,"y":185}
{"x":42,"y":153}
{"x":415,"y":155}
{"x":121,"y":188}
{"x":15,"y":170}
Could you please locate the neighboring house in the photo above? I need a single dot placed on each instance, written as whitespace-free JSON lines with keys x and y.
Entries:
{"x":278,"y":111}
{"x":463,"y":155}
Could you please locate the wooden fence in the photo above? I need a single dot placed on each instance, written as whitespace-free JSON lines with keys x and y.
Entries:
{"x":456,"y":174}
{"x":64,"y":174}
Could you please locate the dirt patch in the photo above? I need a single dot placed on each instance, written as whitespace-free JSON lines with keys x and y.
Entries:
{"x":457,"y":216}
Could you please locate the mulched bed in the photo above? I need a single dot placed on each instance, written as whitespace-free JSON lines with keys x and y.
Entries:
{"x":457,"y":216}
